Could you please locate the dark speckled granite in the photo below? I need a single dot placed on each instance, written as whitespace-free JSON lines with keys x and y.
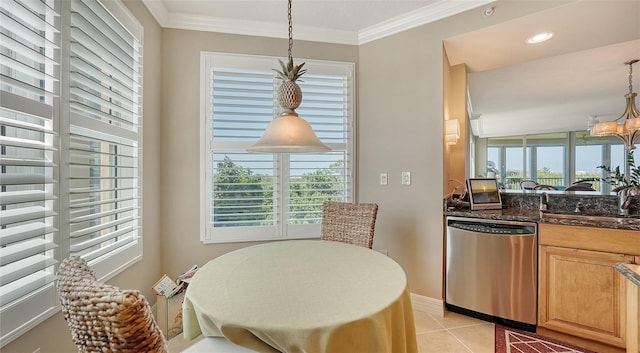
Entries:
{"x":524,"y":206}
{"x":565,"y":202}
{"x":632,"y":275}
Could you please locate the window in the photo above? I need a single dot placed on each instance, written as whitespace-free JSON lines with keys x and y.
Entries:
{"x":557,"y":159}
{"x":69,"y":182}
{"x":248,"y":196}
{"x":104,"y":164}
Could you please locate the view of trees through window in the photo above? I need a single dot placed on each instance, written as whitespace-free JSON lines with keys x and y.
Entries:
{"x":244,"y":197}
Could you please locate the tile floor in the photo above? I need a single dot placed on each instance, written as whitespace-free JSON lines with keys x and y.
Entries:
{"x":452,"y":333}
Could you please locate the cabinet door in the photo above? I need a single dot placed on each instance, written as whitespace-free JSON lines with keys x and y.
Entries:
{"x":581,"y":294}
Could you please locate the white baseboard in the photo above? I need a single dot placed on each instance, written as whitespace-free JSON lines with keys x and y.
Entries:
{"x":428,"y":305}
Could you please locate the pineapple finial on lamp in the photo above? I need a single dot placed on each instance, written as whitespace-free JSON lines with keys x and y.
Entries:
{"x":288,"y":132}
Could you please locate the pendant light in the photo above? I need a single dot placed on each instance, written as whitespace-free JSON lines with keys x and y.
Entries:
{"x":288,"y":132}
{"x":627,"y":126}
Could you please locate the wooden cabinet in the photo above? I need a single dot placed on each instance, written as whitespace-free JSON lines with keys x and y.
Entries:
{"x":580,"y":293}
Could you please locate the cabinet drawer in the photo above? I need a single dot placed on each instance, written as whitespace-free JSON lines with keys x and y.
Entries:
{"x":617,"y":241}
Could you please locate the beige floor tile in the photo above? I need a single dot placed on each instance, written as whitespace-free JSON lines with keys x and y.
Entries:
{"x":425,"y":323}
{"x":440,"y":342}
{"x":453,"y":320}
{"x":479,"y":338}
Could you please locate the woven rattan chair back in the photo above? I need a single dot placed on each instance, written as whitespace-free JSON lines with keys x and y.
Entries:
{"x":346,"y":222}
{"x":104,"y":318}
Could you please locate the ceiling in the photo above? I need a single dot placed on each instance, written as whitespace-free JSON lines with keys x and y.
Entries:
{"x":517,"y":88}
{"x":514,"y":88}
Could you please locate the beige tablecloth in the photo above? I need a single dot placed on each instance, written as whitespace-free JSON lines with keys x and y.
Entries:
{"x":303,"y":296}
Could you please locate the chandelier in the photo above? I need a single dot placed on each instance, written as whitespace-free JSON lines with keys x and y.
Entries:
{"x":288,"y":132}
{"x":627,"y":126}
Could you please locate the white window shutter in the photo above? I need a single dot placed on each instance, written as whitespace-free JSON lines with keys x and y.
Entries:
{"x":29,"y":89}
{"x":104,"y":148}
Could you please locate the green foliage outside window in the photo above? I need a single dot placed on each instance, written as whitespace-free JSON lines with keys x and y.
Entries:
{"x":242,"y":198}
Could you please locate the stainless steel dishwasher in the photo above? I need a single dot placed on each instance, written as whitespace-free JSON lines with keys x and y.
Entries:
{"x":491,"y":270}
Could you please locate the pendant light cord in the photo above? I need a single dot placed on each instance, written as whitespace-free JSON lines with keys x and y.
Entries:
{"x":290,"y":33}
{"x":630,"y":63}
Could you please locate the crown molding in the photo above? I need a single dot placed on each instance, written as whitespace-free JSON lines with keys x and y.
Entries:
{"x":427,"y":14}
{"x":431,"y":13}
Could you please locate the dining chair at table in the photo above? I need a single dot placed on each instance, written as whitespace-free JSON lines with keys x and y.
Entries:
{"x":528,"y":184}
{"x":349,"y":222}
{"x":105,"y":318}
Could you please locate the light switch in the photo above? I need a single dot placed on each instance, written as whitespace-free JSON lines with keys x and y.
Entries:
{"x":406,"y":178}
{"x":383,"y":179}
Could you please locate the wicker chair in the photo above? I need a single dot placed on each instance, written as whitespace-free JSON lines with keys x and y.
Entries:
{"x":352,"y":223}
{"x":104,"y":318}
{"x":528,"y":184}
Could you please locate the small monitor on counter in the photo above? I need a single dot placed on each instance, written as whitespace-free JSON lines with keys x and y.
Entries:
{"x":484,"y":194}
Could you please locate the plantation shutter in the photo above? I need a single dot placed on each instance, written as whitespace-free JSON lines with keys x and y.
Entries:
{"x":104,"y":147}
{"x":243,"y":183}
{"x":315,"y":178}
{"x":29,"y":91}
{"x":265,"y":196}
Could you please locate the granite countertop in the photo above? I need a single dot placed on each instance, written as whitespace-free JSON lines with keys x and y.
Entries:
{"x":531,"y":215}
{"x":574,"y":209}
{"x":630,"y":271}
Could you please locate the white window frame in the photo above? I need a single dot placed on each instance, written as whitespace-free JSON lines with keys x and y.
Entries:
{"x":280,"y":230}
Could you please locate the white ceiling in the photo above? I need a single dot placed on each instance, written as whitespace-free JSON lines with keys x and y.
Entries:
{"x":517,"y":88}
{"x":514,"y":88}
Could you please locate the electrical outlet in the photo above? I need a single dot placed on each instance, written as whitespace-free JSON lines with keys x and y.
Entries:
{"x":406,"y":178}
{"x":383,"y":179}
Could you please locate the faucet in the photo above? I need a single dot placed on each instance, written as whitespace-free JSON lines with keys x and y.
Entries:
{"x":624,"y":199}
{"x":544,"y":201}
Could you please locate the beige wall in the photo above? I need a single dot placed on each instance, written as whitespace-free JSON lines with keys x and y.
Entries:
{"x":180,"y":146}
{"x":400,"y":129}
{"x":53,"y":336}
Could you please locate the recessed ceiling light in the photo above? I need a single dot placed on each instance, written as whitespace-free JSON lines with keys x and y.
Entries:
{"x":539,"y":38}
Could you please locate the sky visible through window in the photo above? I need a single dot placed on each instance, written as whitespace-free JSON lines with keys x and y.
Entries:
{"x":323,"y":106}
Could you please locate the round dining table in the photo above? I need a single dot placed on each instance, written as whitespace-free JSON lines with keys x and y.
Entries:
{"x":303,"y":296}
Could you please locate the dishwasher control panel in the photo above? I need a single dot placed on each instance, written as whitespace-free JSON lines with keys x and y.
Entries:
{"x":492,"y":228}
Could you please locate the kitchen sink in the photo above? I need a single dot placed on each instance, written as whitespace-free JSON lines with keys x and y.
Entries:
{"x":630,"y":220}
